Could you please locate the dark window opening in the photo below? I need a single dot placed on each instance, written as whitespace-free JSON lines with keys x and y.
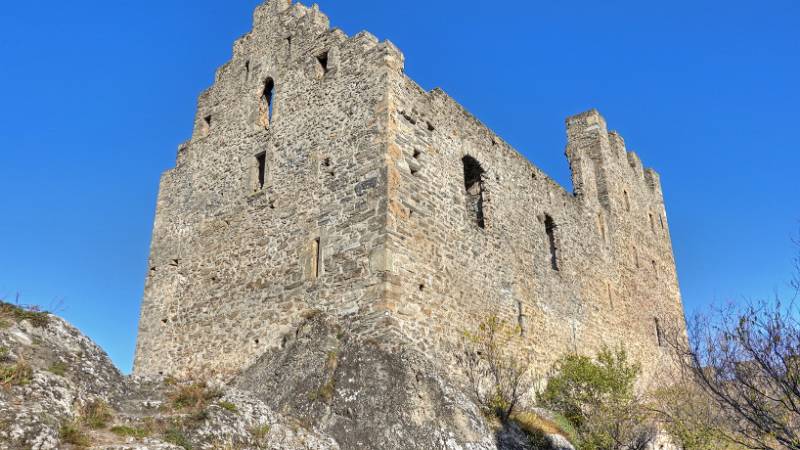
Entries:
{"x":652,"y":223}
{"x":473,"y":183}
{"x":322,"y":59}
{"x":289,"y":44}
{"x":163,"y":320}
{"x":246,"y":70}
{"x":430,"y":126}
{"x":206,"y":124}
{"x":550,"y":228}
{"x":422,"y":287}
{"x":655,"y":269}
{"x":266,"y":103}
{"x":316,"y":262}
{"x":661,"y":219}
{"x":257,"y":341}
{"x":659,"y":333}
{"x":261,"y":160}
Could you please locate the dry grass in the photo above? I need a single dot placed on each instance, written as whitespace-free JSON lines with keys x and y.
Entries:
{"x":15,"y":313}
{"x":17,"y":374}
{"x":536,"y":425}
{"x":195,"y":396}
{"x":96,"y":414}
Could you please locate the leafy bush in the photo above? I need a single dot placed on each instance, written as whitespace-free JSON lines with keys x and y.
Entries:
{"x":597,"y":395}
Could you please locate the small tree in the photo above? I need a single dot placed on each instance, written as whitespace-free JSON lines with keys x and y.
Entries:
{"x":496,"y":376}
{"x":597,"y":396}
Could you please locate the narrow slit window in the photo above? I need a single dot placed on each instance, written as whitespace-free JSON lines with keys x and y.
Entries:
{"x":316,"y":261}
{"x":652,"y":223}
{"x":322,"y":60}
{"x":661,"y":219}
{"x":550,"y":228}
{"x":636,"y":256}
{"x":266,"y":103}
{"x":473,"y":183}
{"x":246,"y":70}
{"x":261,"y":162}
{"x":655,"y":269}
{"x":610,"y":295}
{"x":659,"y":333}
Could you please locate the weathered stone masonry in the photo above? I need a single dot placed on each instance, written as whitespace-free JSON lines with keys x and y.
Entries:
{"x":320,"y":177}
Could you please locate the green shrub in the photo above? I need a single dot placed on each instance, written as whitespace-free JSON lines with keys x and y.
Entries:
{"x":597,"y":396}
{"x":126,"y":431}
{"x":59,"y":368}
{"x":228,"y":406}
{"x":176,"y":436}
{"x":70,"y":433}
{"x":581,"y":383}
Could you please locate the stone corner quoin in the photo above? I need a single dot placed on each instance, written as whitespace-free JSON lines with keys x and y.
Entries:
{"x":319,"y":177}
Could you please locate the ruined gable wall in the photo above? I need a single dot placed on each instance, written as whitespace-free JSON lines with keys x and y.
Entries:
{"x":232,"y":265}
{"x":449,"y":274}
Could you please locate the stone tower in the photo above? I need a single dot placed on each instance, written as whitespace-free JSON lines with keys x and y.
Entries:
{"x":319,"y":177}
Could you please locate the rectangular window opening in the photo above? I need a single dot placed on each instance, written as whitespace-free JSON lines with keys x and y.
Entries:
{"x":261,"y":160}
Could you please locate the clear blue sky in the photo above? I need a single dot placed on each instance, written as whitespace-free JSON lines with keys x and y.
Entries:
{"x":96,"y":96}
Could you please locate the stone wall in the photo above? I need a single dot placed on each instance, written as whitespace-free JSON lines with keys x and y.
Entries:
{"x":233,"y":264}
{"x":342,"y":189}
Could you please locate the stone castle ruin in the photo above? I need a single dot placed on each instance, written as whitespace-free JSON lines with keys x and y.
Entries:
{"x":319,"y":177}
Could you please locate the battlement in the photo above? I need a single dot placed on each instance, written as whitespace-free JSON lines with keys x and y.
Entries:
{"x":320,"y":177}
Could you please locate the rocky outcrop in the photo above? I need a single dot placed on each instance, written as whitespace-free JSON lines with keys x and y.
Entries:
{"x":322,"y":389}
{"x":363,"y":395}
{"x":61,"y":391}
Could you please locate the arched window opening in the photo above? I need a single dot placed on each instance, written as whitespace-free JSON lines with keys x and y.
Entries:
{"x":550,"y":228}
{"x":473,"y":183}
{"x":265,"y":105}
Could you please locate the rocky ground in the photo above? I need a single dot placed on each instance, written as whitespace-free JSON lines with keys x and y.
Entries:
{"x":322,"y":390}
